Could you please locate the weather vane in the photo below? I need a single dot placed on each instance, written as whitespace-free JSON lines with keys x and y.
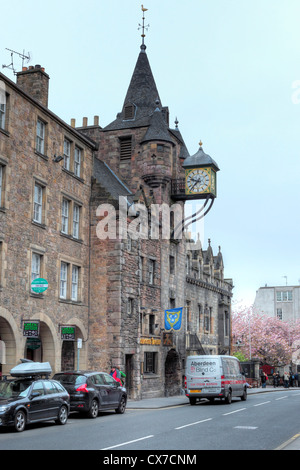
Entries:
{"x":143,"y":26}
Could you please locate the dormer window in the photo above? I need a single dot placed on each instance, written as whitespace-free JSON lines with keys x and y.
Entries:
{"x":129,"y":111}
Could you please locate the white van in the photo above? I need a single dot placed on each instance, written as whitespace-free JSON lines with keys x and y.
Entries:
{"x":214,"y":377}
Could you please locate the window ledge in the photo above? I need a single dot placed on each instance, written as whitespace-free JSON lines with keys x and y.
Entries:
{"x":69,"y":237}
{"x":37,"y":224}
{"x":42,"y":155}
{"x":71,"y":302}
{"x":71,"y":173}
{"x":3,"y":131}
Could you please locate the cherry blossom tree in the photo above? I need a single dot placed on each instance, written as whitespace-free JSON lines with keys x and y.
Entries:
{"x":272,"y":340}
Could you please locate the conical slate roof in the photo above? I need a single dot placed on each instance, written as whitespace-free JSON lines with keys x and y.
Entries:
{"x":158,"y":128}
{"x":142,"y":94}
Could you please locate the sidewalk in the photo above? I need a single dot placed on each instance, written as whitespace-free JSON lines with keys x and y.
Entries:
{"x":180,"y":400}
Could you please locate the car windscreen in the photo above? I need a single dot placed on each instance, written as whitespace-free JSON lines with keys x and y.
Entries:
{"x":15,"y":388}
{"x":70,"y":379}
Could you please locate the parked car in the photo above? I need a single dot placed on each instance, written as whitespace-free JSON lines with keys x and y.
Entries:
{"x":28,"y":398}
{"x":91,"y":392}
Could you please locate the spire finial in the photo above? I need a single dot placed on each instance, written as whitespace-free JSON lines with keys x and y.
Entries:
{"x":143,"y":27}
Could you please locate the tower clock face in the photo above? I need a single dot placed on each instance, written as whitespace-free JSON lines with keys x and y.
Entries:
{"x":197,"y":181}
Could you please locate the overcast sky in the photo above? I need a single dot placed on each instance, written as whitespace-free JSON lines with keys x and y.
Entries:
{"x":228,"y":70}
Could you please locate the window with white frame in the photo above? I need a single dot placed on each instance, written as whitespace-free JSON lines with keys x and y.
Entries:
{"x":69,"y":281}
{"x":75,"y":281}
{"x":63,"y":280}
{"x":65,"y":216}
{"x":76,"y":217}
{"x":2,"y":115}
{"x":38,"y":203}
{"x":284,"y":296}
{"x":3,"y":100}
{"x":70,"y":218}
{"x":77,"y":162}
{"x":40,"y":137}
{"x":67,"y":154}
{"x":36,"y":266}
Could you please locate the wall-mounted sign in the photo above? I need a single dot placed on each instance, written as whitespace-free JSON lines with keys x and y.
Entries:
{"x":31,"y":329}
{"x":67,"y":332}
{"x":33,"y":343}
{"x":150,"y":341}
{"x":39,"y":285}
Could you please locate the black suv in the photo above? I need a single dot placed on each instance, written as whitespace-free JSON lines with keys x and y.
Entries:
{"x":32,"y":399}
{"x":91,"y":392}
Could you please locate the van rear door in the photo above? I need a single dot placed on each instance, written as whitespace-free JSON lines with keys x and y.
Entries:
{"x":204,"y":375}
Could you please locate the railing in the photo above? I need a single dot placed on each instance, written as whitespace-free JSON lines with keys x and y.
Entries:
{"x":192,"y":343}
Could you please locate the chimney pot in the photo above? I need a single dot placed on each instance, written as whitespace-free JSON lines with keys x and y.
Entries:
{"x":73,"y":122}
{"x":35,"y":82}
{"x":85,"y":122}
{"x":96,"y":120}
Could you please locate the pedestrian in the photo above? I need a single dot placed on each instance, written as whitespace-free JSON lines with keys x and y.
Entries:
{"x":115,"y":373}
{"x":123,"y":377}
{"x":296,"y":379}
{"x":275,"y":379}
{"x":286,"y":379}
{"x":264,"y":379}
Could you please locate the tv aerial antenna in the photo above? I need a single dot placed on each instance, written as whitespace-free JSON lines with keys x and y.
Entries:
{"x":25,"y":59}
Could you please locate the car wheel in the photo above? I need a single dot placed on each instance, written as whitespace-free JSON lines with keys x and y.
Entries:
{"x":122,"y":406}
{"x":94,"y":409}
{"x":62,"y":415}
{"x":20,"y":421}
{"x":192,"y":401}
{"x":228,"y":398}
{"x":244,"y":396}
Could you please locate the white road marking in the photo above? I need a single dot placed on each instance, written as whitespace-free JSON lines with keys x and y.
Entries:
{"x":263,"y":403}
{"x":281,"y":398}
{"x":129,"y":442}
{"x":193,"y":424}
{"x":236,"y":411}
{"x":245,"y":427}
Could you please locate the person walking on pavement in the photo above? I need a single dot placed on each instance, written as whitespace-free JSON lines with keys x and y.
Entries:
{"x":286,"y":379}
{"x":264,"y":379}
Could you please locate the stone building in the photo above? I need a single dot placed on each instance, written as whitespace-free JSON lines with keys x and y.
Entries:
{"x":44,"y":224}
{"x":63,"y":187}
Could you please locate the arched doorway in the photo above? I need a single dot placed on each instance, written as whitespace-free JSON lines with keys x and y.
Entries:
{"x":172,"y":374}
{"x":74,"y":346}
{"x":42,"y":348}
{"x":8,"y":358}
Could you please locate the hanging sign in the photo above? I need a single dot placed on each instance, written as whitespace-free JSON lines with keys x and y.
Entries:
{"x":67,"y":332}
{"x":31,"y":329}
{"x":173,"y":319}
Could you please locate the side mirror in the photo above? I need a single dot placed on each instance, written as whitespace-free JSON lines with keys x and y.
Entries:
{"x":34,"y":395}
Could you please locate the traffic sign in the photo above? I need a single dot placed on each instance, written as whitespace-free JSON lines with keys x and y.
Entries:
{"x":39,"y":285}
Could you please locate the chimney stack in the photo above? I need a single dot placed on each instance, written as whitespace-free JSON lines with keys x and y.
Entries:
{"x":35,"y":82}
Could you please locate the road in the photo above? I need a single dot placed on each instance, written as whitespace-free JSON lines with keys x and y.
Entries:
{"x":263,"y":422}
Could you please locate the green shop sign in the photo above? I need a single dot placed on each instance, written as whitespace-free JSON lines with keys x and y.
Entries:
{"x":31,"y":329}
{"x":67,"y":332}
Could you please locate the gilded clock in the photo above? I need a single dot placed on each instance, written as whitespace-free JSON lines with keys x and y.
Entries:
{"x":197,"y":180}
